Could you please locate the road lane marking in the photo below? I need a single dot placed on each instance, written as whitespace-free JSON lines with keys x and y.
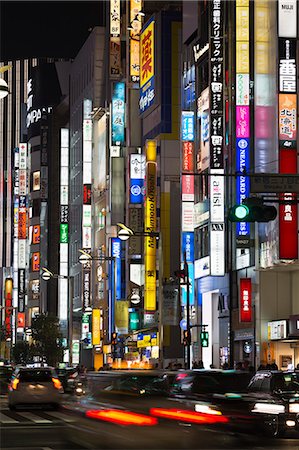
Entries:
{"x":60,"y":415}
{"x":33,"y":417}
{"x":6,"y":419}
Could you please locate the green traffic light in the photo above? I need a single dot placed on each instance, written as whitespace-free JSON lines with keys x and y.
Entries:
{"x":241,"y":211}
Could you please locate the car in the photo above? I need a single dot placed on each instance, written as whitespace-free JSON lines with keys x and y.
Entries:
{"x":34,"y":386}
{"x":201,"y":384}
{"x":68,"y":377}
{"x":6,"y":372}
{"x":273,"y":396}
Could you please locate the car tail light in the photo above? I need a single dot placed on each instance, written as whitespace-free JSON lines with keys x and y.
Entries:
{"x":14,"y":384}
{"x":121,"y":417}
{"x":56,"y":383}
{"x":187,"y":416}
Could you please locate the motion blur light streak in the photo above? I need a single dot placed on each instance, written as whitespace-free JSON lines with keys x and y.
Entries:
{"x":187,"y":416}
{"x":205,"y":409}
{"x":121,"y":417}
{"x":268,"y":408}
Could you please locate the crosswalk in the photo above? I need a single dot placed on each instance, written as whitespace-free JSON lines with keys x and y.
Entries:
{"x":18,"y":417}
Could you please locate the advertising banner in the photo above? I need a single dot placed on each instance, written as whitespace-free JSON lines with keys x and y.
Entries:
{"x":187,"y":126}
{"x":122,"y":317}
{"x":35,"y":261}
{"x":21,"y":290}
{"x":187,"y":216}
{"x":137,"y":175}
{"x":187,"y":188}
{"x":245,"y":297}
{"x":147,"y":66}
{"x":96,"y":327}
{"x":86,"y":288}
{"x":115,"y":17}
{"x":35,"y":234}
{"x":134,"y":321}
{"x":217,"y":249}
{"x":116,"y":253}
{"x":287,"y":65}
{"x":287,"y":15}
{"x":115,"y":57}
{"x":170,"y":314}
{"x":242,"y":122}
{"x":287,"y":120}
{"x":191,"y":286}
{"x":136,"y":24}
{"x":188,"y":246}
{"x":118,"y":114}
{"x":242,"y":182}
{"x":242,"y":88}
{"x":217,"y":196}
{"x":150,"y":224}
{"x":8,"y":288}
{"x":188,"y":157}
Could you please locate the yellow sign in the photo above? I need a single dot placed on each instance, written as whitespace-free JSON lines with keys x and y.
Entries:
{"x":96,"y":327}
{"x":121,"y":315}
{"x":136,"y":24}
{"x":242,"y":57}
{"x":242,"y":24}
{"x":242,"y":3}
{"x":150,"y":224}
{"x":262,"y":57}
{"x":147,"y":54}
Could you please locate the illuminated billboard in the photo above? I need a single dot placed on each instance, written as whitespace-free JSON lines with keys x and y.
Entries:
{"x":147,"y":66}
{"x":150,"y":224}
{"x":136,"y":25}
{"x":116,"y":253}
{"x":245,"y":300}
{"x":137,"y":175}
{"x":118,"y":114}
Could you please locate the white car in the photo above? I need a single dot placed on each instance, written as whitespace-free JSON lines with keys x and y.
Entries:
{"x":34,"y":386}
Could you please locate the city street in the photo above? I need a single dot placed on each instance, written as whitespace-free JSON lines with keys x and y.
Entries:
{"x":38,"y":429}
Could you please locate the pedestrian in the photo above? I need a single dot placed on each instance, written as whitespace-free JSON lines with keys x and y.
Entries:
{"x":239,"y":366}
{"x":200,"y":364}
{"x":297,"y":367}
{"x":274,"y":366}
{"x":225,"y":366}
{"x":194,"y":365}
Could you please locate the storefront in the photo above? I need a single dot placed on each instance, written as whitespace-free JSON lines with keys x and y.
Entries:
{"x":244,"y":346}
{"x":280,"y":348}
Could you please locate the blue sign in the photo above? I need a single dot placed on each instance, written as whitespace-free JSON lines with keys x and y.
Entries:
{"x":187,"y":126}
{"x":242,"y":182}
{"x":137,"y":190}
{"x":183,"y":324}
{"x":118,"y":114}
{"x":116,"y":252}
{"x":188,"y":246}
{"x":147,"y":95}
{"x":191,"y":286}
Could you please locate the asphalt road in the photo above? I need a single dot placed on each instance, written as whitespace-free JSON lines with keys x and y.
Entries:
{"x":67,"y":429}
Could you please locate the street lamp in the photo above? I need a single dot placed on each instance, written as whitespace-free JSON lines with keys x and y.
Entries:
{"x":46,"y":276}
{"x":125,"y":233}
{"x":3,"y":84}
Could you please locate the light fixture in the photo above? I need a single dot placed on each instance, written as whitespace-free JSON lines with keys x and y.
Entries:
{"x":88,"y":310}
{"x":141,"y":14}
{"x":124,"y":235}
{"x":3,"y":88}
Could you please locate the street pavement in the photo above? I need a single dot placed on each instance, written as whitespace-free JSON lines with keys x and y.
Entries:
{"x":69,"y":429}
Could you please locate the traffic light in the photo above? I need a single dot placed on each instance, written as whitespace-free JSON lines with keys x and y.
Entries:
{"x":181,"y":274}
{"x":252,"y":210}
{"x":204,"y":338}
{"x":114,"y":338}
{"x":187,"y":337}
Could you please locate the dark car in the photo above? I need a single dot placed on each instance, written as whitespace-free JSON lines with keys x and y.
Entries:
{"x":274,"y":397}
{"x":5,"y":377}
{"x":68,"y":377}
{"x":203,"y":384}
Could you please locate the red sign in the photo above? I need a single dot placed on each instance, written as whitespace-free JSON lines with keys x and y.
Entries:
{"x":22,"y":229}
{"x":8,"y":307}
{"x":188,"y":152}
{"x":21,"y":320}
{"x":288,"y":216}
{"x":245,"y":300}
{"x":188,"y":188}
{"x":87,"y":194}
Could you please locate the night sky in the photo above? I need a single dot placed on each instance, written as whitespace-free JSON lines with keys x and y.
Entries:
{"x":46,"y":29}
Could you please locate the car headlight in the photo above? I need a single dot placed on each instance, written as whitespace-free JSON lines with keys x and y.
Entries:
{"x":205,"y":409}
{"x":294,"y":407}
{"x":268,"y":408}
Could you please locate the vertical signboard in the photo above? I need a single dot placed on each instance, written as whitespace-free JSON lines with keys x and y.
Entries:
{"x":147,"y":66}
{"x":118,"y":114}
{"x":216,"y":70}
{"x":96,"y":327}
{"x":115,"y":45}
{"x":287,"y":124}
{"x":150,"y":224}
{"x":245,"y":303}
{"x":116,"y":253}
{"x":8,"y":287}
{"x":137,"y":175}
{"x":242,"y":110}
{"x":135,"y":29}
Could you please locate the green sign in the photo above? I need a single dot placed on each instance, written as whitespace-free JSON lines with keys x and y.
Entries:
{"x":64,"y":233}
{"x":134,"y":321}
{"x":204,"y":338}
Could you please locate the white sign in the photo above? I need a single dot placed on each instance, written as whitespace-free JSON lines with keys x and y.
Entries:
{"x":217,"y":196}
{"x":137,"y":166}
{"x":242,"y":88}
{"x":114,"y":151}
{"x":22,"y":253}
{"x":187,"y":216}
{"x":86,"y":215}
{"x":23,"y":156}
{"x":277,"y":329}
{"x":287,"y":18}
{"x":86,"y":237}
{"x":202,"y":267}
{"x":115,"y":18}
{"x":217,"y":249}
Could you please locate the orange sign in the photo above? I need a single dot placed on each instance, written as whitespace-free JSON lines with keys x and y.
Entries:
{"x":35,"y":261}
{"x":22,"y":231}
{"x":36,"y":234}
{"x":287,"y":117}
{"x":21,"y":320}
